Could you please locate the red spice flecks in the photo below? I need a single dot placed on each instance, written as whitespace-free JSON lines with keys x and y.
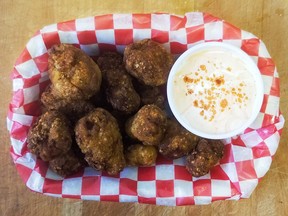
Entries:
{"x":219,"y":80}
{"x":202,"y":67}
{"x":224,"y":103}
{"x":190,"y":91}
{"x":202,"y":113}
{"x":187,"y":79}
{"x":216,"y":93}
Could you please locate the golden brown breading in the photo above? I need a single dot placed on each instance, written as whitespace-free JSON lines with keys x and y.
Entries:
{"x":151,"y":95}
{"x":120,"y":92}
{"x":50,"y":136}
{"x":69,"y":163}
{"x":148,"y":125}
{"x":177,"y":142}
{"x":140,"y":155}
{"x":73,"y":109}
{"x":74,"y":74}
{"x":206,"y":155}
{"x":109,"y":61}
{"x":98,"y":137}
{"x":148,"y":61}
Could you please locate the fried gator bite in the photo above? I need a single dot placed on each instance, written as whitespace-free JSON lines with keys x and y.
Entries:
{"x":141,"y":155}
{"x":120,"y":92}
{"x":206,"y":155}
{"x":73,"y":109}
{"x":50,"y":136}
{"x":178,"y":142}
{"x":109,"y":61}
{"x":99,"y":138}
{"x":150,"y":95}
{"x":69,"y":163}
{"x":148,"y":125}
{"x":148,"y":61}
{"x":74,"y":74}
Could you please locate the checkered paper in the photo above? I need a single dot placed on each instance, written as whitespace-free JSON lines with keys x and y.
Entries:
{"x":247,"y":157}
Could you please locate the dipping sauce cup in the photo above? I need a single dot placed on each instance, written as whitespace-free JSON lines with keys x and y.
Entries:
{"x":215,"y":90}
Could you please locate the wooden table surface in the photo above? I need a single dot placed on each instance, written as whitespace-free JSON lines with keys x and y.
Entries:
{"x":267,"y":19}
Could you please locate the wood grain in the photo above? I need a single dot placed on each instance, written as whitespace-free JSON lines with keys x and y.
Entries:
{"x":19,"y":20}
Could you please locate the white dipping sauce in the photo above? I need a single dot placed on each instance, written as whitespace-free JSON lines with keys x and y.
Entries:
{"x":213,"y":91}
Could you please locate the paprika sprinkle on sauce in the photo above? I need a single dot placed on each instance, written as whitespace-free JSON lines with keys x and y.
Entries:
{"x":212,"y":92}
{"x":216,"y":89}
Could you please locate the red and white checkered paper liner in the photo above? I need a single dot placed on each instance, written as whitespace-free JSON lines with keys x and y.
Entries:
{"x":247,"y":157}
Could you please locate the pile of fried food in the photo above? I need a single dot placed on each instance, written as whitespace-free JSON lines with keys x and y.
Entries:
{"x":109,"y":113}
